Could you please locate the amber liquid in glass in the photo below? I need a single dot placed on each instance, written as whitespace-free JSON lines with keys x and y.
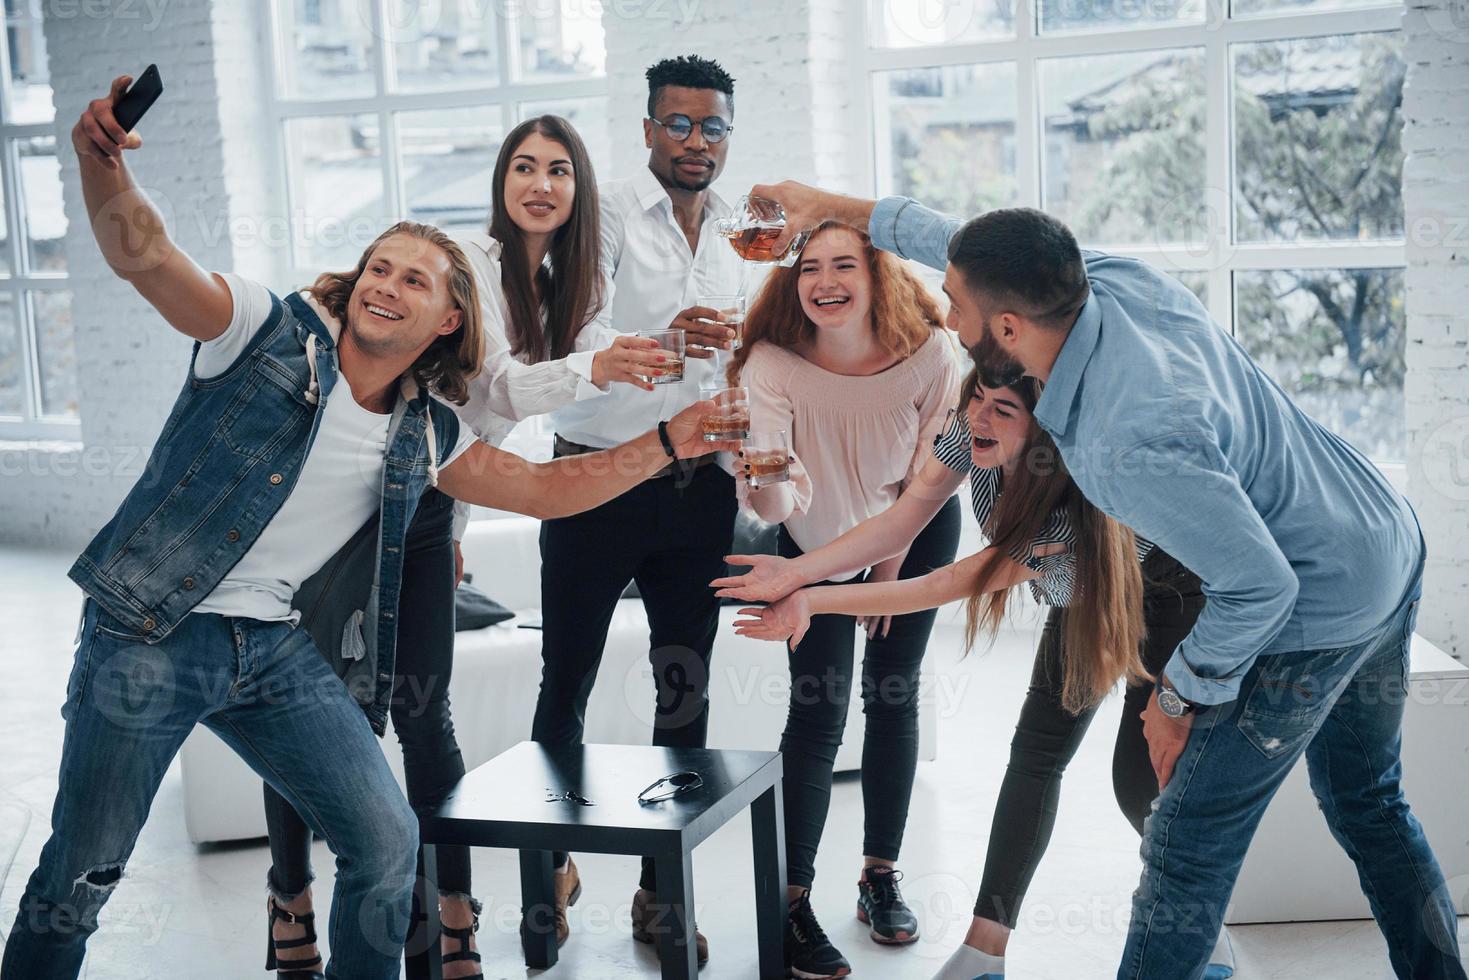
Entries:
{"x":757,"y":244}
{"x":733,"y":425}
{"x":672,"y":372}
{"x":768,"y":468}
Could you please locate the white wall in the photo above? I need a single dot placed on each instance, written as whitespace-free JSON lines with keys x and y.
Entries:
{"x":1436,"y":202}
{"x":203,"y":162}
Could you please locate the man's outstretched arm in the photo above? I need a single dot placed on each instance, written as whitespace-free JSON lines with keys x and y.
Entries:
{"x":130,"y":231}
{"x":493,"y":478}
{"x":896,"y":224}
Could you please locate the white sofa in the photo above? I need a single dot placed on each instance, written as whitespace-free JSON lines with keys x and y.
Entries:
{"x":497,"y":675}
{"x":1296,"y":872}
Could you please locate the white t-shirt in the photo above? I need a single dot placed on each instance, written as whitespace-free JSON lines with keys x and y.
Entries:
{"x":338,"y":489}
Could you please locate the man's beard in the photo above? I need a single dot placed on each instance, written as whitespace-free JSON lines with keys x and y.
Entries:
{"x":997,"y":369}
{"x":684,"y":184}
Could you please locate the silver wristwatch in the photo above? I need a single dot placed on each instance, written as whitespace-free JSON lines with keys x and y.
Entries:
{"x":1171,"y":704}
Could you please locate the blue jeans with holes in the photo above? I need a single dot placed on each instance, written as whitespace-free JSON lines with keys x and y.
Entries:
{"x":1342,"y":709}
{"x":268,"y":694}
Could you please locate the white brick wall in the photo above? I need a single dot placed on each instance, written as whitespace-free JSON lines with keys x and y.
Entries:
{"x":204,"y":174}
{"x":1436,"y":206}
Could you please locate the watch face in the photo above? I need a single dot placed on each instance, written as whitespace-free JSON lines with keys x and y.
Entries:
{"x":1173,"y":706}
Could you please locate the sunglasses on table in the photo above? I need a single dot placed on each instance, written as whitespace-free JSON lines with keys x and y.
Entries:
{"x":679,"y":127}
{"x":670,"y":786}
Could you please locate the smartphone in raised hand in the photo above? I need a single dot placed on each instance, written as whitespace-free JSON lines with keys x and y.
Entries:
{"x":138,"y":99}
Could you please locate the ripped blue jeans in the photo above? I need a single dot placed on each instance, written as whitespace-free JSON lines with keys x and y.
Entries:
{"x":269,"y":695}
{"x":1342,"y":709}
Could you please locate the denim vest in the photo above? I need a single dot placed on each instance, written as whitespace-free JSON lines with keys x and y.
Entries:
{"x":226,"y":461}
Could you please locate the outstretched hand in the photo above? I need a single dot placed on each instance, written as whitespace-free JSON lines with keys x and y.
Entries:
{"x":807,"y":207}
{"x":788,"y":620}
{"x":770,"y":578}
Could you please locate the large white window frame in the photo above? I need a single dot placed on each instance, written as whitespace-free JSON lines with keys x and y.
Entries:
{"x":1219,"y":257}
{"x":32,"y":424}
{"x":511,"y":90}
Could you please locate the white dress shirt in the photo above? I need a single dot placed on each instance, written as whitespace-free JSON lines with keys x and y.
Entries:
{"x":508,"y":389}
{"x":652,"y":276}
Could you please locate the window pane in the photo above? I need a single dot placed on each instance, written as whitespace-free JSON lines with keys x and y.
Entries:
{"x":56,"y":350}
{"x":912,"y":23}
{"x":30,"y":81}
{"x":589,"y":117}
{"x":441,"y":44}
{"x":1334,"y":340}
{"x":40,"y":183}
{"x":560,"y":39}
{"x":950,"y":135}
{"x":1112,"y":15}
{"x":1243,"y":8}
{"x":1123,"y":160}
{"x":12,"y":359}
{"x":448,"y":158}
{"x":337,"y":205}
{"x":4,"y":245}
{"x":1318,"y":138}
{"x":329,"y":48}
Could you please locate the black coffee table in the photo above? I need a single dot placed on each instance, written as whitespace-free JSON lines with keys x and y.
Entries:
{"x":503,"y":803}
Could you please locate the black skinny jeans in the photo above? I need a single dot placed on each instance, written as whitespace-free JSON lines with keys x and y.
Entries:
{"x":419,"y":706}
{"x":1047,"y":735}
{"x":821,"y":688}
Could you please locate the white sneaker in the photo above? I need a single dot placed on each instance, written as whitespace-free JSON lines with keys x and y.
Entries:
{"x":969,"y":963}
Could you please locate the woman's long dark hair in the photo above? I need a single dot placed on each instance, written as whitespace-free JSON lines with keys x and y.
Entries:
{"x":1103,"y":626}
{"x":570,"y":292}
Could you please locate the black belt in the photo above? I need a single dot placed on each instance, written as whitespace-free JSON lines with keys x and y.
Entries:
{"x":565,"y":447}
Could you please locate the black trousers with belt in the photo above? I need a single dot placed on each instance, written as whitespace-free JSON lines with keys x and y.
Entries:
{"x":669,"y":535}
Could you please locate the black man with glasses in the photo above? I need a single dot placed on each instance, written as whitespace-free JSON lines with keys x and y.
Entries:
{"x":660,"y":256}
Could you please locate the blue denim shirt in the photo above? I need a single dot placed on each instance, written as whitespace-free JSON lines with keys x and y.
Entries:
{"x":1167,"y":425}
{"x":226,"y":460}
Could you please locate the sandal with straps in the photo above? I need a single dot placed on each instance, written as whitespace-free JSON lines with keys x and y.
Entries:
{"x":299,"y":968}
{"x":465,"y":954}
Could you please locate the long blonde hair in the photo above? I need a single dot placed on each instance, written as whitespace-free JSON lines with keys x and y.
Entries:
{"x":1103,"y":625}
{"x":452,"y":359}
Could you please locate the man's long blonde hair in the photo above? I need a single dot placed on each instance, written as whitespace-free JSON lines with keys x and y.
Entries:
{"x":452,"y":359}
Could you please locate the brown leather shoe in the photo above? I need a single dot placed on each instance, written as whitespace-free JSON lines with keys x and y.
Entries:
{"x":644,"y":917}
{"x":568,"y":890}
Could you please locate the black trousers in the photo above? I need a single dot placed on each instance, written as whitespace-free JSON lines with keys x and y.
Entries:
{"x":821,"y":688}
{"x":669,"y":535}
{"x":432,"y":763}
{"x":1047,"y":735}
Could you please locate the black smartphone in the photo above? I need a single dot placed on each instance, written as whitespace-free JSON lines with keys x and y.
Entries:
{"x":138,"y":99}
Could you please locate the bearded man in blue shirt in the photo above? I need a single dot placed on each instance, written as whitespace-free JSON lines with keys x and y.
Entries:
{"x":1312,"y":563}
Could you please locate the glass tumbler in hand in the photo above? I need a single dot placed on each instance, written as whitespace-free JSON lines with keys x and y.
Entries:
{"x":732,"y":420}
{"x":767,"y":458}
{"x":672,"y":342}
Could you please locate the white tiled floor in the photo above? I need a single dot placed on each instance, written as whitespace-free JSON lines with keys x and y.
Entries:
{"x":185,"y":911}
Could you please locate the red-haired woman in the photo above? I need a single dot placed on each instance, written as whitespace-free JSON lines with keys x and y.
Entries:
{"x":846,"y":352}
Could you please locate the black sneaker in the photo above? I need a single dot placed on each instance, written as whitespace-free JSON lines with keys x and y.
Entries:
{"x":809,"y":954}
{"x":879,"y":904}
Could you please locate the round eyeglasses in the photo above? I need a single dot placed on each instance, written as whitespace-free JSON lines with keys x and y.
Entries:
{"x":679,"y":127}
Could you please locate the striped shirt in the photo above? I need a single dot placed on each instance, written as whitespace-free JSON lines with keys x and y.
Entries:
{"x":1057,"y":571}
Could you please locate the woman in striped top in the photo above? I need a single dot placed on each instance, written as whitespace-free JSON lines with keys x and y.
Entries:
{"x":1105,"y":606}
